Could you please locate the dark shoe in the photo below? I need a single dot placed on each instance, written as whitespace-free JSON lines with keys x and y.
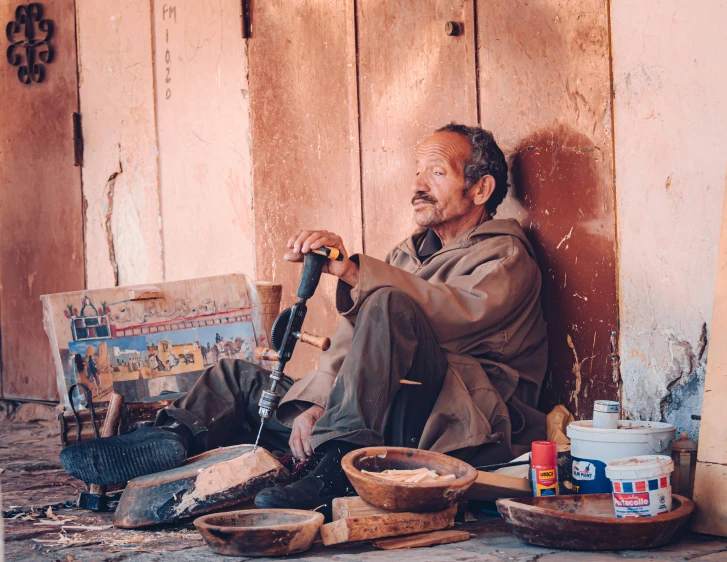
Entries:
{"x":120,"y":458}
{"x":318,"y":489}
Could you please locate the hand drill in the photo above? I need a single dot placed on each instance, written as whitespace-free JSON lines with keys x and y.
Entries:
{"x":287,"y":330}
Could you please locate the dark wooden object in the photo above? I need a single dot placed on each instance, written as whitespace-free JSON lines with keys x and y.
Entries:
{"x":424,"y":539}
{"x":588,"y":522}
{"x":401,"y":496}
{"x":260,"y":532}
{"x":209,"y":482}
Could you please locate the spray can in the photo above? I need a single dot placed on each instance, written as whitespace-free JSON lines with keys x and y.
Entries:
{"x":544,"y":468}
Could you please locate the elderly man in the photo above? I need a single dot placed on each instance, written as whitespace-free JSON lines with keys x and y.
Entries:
{"x":455,"y":309}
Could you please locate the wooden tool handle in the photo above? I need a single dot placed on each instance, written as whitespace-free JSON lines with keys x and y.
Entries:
{"x":113,"y":416}
{"x":321,"y":342}
{"x":109,"y":429}
{"x":266,"y":354}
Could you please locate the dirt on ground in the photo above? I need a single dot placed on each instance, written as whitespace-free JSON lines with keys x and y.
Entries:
{"x":31,"y":476}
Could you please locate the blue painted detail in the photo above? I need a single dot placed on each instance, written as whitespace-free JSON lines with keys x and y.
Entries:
{"x":589,"y":477}
{"x":628,"y":487}
{"x":654,"y":484}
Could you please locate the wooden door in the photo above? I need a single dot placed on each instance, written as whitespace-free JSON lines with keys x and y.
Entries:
{"x":545,"y":92}
{"x":203,"y":125}
{"x":305,"y":159}
{"x":413,"y":79}
{"x":41,"y":236}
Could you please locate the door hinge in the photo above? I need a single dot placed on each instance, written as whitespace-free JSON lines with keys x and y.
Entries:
{"x":246,"y":18}
{"x":77,"y":140}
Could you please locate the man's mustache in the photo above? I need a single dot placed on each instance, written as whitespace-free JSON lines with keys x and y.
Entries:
{"x":423,"y":197}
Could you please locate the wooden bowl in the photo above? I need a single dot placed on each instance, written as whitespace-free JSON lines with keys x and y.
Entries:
{"x":588,"y":522}
{"x":260,"y":532}
{"x":402,"y":496}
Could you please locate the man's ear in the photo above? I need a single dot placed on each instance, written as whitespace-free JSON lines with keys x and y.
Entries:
{"x":483,"y":190}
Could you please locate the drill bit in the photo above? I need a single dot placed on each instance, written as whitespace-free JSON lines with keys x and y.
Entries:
{"x":262,"y":423}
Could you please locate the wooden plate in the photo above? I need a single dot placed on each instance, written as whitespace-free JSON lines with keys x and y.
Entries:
{"x":588,"y":522}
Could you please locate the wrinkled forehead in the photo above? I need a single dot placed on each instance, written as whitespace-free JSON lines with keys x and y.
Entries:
{"x":450,"y":147}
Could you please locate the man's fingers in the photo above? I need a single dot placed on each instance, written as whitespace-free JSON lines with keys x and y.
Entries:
{"x":314,"y":237}
{"x":296,"y":445}
{"x":298,"y":244}
{"x":292,"y":239}
{"x":307,"y":447}
{"x":293,"y":256}
{"x":305,"y":432}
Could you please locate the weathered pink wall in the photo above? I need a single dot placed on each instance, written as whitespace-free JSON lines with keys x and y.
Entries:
{"x":671,"y":161}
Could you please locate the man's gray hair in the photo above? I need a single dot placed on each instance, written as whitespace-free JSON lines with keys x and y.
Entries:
{"x":485,"y":159}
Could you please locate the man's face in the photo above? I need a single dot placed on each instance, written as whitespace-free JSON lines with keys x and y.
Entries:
{"x":438,"y":187}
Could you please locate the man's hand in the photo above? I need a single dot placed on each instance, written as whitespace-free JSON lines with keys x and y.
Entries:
{"x":306,"y":240}
{"x":302,"y":428}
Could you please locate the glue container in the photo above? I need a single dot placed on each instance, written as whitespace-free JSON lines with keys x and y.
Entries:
{"x":544,"y":468}
{"x":641,"y":485}
{"x":605,"y":414}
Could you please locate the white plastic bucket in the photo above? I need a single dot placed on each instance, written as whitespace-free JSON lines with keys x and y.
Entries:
{"x":641,"y":485}
{"x":592,"y":448}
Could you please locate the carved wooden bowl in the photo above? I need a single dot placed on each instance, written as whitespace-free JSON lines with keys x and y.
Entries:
{"x":403,"y":496}
{"x":260,"y":532}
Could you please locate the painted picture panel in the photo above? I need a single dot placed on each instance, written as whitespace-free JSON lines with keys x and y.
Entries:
{"x":140,"y":341}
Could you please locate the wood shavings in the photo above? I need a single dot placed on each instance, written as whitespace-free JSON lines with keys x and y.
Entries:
{"x":115,"y":541}
{"x":416,"y":476}
{"x":56,"y":521}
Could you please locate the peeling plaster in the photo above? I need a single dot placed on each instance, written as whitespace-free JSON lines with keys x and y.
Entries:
{"x":110,"y":191}
{"x":669,"y":190}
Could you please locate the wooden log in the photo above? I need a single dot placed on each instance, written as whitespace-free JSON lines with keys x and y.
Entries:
{"x":424,"y":539}
{"x":388,"y":524}
{"x":209,"y":482}
{"x":354,"y":506}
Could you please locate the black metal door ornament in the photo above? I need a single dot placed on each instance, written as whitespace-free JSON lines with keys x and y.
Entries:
{"x":30,"y":49}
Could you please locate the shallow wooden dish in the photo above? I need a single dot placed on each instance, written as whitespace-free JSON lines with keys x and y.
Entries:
{"x":400,"y":496}
{"x":260,"y":532}
{"x":588,"y":522}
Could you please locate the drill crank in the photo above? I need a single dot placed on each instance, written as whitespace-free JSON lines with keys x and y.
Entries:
{"x":287,"y":331}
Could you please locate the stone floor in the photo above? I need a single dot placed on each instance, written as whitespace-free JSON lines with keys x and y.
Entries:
{"x":31,"y":475}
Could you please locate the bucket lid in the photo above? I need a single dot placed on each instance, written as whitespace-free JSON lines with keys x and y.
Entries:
{"x":639,"y":468}
{"x":628,"y":431}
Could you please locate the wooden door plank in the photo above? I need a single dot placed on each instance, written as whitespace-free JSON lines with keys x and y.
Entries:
{"x":204,"y":138}
{"x":41,"y":232}
{"x":710,"y":484}
{"x":414,"y":78}
{"x":305,"y":158}
{"x":545,"y":88}
{"x":120,"y":173}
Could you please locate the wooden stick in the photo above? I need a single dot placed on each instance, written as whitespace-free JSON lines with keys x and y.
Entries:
{"x":424,"y":539}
